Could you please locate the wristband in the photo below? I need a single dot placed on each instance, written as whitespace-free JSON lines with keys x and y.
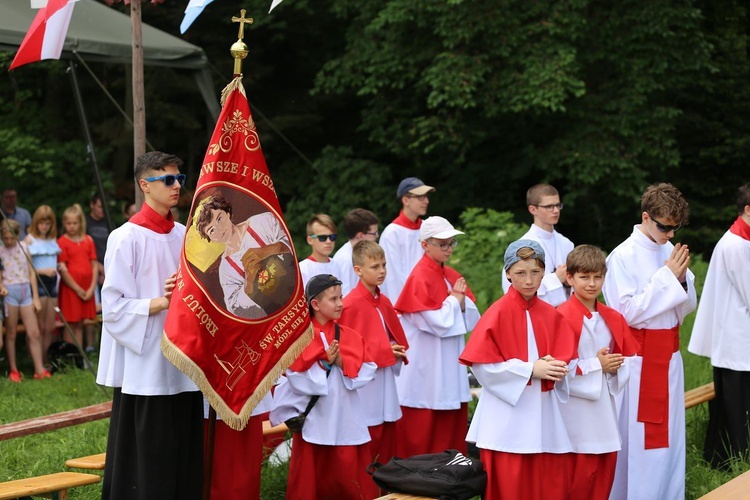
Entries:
{"x":325,"y":365}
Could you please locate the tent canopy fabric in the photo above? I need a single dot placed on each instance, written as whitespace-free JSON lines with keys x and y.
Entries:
{"x":99,"y":33}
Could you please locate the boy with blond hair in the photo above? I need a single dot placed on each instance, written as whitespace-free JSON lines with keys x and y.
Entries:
{"x":331,"y":452}
{"x":359,"y":224}
{"x":648,"y":282}
{"x":371,"y":314}
{"x":321,"y":236}
{"x":544,"y":204}
{"x":598,"y":373}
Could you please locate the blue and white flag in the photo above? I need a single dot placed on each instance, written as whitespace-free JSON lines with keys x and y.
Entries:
{"x":195,"y":8}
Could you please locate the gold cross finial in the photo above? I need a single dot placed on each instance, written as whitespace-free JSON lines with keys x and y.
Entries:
{"x":242,"y":20}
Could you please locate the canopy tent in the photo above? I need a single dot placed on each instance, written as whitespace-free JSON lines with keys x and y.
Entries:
{"x":101,"y":34}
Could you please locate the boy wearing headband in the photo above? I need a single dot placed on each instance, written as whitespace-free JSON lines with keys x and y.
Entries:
{"x":518,"y":351}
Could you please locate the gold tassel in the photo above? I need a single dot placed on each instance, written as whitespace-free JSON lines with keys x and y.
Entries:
{"x":236,"y":421}
{"x":236,"y":83}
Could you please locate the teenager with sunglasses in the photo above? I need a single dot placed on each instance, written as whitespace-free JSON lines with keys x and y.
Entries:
{"x":649,"y":283}
{"x":543,"y":203}
{"x":321,"y":236}
{"x":155,"y":444}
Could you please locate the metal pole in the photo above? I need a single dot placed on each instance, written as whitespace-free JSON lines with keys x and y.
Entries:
{"x":89,"y":142}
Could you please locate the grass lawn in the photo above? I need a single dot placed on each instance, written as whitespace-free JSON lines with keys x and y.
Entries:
{"x":46,"y":453}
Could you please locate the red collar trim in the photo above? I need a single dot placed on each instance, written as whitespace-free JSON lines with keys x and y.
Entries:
{"x":403,"y":220}
{"x":147,"y":217}
{"x":740,"y":228}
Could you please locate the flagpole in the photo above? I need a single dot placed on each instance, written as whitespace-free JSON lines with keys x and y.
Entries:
{"x":239,"y":52}
{"x":89,"y":142}
{"x":139,"y":99}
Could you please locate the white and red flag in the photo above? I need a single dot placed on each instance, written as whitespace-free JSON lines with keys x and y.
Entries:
{"x":238,"y":316}
{"x":46,"y":36}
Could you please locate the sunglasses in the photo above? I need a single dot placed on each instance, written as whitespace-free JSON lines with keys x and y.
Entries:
{"x":663,"y":227}
{"x":169,"y":179}
{"x":324,"y":237}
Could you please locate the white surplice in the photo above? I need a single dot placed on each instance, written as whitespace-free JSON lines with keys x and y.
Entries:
{"x":343,"y":257}
{"x":402,"y":252}
{"x":643,"y":289}
{"x":136,"y":264}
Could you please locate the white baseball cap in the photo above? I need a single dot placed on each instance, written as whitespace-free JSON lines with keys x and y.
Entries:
{"x":437,"y":227}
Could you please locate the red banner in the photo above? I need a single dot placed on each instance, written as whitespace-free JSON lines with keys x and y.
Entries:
{"x":238,"y":316}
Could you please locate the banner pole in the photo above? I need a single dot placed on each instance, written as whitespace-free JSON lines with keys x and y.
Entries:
{"x":208,"y":453}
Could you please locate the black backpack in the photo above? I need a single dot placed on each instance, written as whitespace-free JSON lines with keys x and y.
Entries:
{"x":448,"y":475}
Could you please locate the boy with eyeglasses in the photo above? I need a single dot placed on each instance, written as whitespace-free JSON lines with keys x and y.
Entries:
{"x":543,"y":202}
{"x":649,"y":283}
{"x":155,"y":444}
{"x":437,"y":309}
{"x":359,"y":225}
{"x":400,"y":238}
{"x":321,"y":236}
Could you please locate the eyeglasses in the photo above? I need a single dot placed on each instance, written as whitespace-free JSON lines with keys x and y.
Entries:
{"x":444,"y":246}
{"x":375,"y":233}
{"x":324,"y":237}
{"x":169,"y":179}
{"x":420,"y":197}
{"x":551,"y":207}
{"x":663,"y":227}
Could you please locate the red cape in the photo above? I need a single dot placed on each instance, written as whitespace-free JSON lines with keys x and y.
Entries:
{"x":501,"y":333}
{"x":361,"y":313}
{"x":351,"y":347}
{"x":425,"y":288}
{"x":573,"y":311}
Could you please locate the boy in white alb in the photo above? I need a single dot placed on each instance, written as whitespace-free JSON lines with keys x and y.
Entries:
{"x":155,"y":444}
{"x":518,"y":351}
{"x":321,"y":236}
{"x":437,"y":310}
{"x":359,"y":224}
{"x":400,"y":238}
{"x":648,"y":282}
{"x":598,"y":373}
{"x":543,"y":202}
{"x":721,"y":332}
{"x":331,"y":453}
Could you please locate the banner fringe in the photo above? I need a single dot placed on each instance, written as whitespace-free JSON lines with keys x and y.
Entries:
{"x":236,"y":421}
{"x":236,"y":83}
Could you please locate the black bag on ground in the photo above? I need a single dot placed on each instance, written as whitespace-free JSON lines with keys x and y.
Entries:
{"x":448,"y":475}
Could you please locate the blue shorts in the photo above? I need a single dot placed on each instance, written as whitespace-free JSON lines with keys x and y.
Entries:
{"x":47,"y":286}
{"x":18,"y":295}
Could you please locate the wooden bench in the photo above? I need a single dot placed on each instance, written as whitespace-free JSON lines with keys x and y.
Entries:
{"x":699,"y":395}
{"x":55,"y":421}
{"x":51,"y":486}
{"x":737,"y":488}
{"x":92,"y":462}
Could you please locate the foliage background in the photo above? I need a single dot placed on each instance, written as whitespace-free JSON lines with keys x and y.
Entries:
{"x":479,"y":98}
